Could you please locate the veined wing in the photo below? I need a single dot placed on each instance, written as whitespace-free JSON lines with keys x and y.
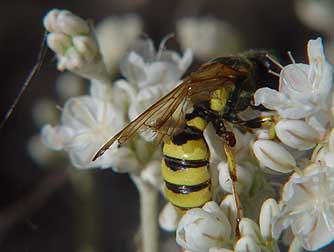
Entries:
{"x":154,"y":118}
{"x":197,"y":87}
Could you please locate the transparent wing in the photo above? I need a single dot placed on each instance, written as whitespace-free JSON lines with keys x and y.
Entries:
{"x":155,"y":118}
{"x":158,"y":117}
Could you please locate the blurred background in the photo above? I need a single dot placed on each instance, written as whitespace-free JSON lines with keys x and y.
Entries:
{"x":46,"y":206}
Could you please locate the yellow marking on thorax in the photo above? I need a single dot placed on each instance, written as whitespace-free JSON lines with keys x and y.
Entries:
{"x":219,"y":98}
{"x":191,"y":150}
{"x":197,"y":122}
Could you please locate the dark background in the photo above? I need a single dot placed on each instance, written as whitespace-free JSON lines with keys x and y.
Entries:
{"x":52,"y":224}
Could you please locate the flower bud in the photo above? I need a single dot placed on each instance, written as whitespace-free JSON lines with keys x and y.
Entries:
{"x":69,"y":84}
{"x":44,"y":111}
{"x":215,"y":249}
{"x":245,"y":178}
{"x":229,"y":209}
{"x":274,"y":156}
{"x":249,"y":228}
{"x":71,"y":61}
{"x":86,"y":46}
{"x":58,"y":42}
{"x":199,"y":230}
{"x":268,"y":210}
{"x":71,"y":24}
{"x":297,"y":134}
{"x":246,"y":244}
{"x":50,"y":21}
{"x":40,"y":153}
{"x":169,"y":218}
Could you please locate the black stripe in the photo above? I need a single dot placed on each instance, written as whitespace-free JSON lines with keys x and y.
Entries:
{"x":186,"y":189}
{"x":180,"y":164}
{"x":188,"y":133}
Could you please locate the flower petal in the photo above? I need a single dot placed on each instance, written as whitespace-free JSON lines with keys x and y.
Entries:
{"x":274,"y":156}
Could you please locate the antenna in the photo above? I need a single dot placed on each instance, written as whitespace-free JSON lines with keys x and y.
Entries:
{"x":32,"y":74}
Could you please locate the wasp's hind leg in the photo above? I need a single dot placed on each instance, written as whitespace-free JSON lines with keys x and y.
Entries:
{"x":229,"y":141}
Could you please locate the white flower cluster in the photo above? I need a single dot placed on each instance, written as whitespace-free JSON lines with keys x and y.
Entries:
{"x":212,"y":228}
{"x":303,"y":112}
{"x":88,"y":121}
{"x":208,"y":37}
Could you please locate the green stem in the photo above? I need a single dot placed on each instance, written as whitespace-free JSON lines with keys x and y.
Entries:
{"x":148,"y":215}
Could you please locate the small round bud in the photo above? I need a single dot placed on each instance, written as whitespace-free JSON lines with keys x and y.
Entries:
{"x":269,"y":209}
{"x":50,"y":21}
{"x":58,"y":42}
{"x":86,"y":46}
{"x":169,"y":218}
{"x":71,"y":24}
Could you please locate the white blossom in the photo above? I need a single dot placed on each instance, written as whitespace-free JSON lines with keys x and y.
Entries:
{"x":304,"y":88}
{"x":69,"y":85}
{"x":203,"y":228}
{"x":86,"y":124}
{"x":169,"y":218}
{"x":70,"y":37}
{"x":149,"y":74}
{"x":115,"y":36}
{"x":308,"y":207}
{"x":208,"y":37}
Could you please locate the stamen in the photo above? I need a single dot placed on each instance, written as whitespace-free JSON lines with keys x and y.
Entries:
{"x":292,"y":59}
{"x":274,"y":61}
{"x":162,"y":46}
{"x":273,"y":73}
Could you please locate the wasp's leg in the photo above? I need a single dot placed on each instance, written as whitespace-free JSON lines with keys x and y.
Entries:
{"x":260,"y":122}
{"x":229,"y":141}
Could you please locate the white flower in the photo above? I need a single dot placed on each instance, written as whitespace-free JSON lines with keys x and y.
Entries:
{"x":40,"y":153}
{"x":69,"y":85}
{"x":208,"y":37}
{"x":245,"y":177}
{"x":316,"y":14}
{"x":115,"y":35}
{"x":203,"y":228}
{"x":169,"y":218}
{"x":308,"y":207}
{"x":75,"y":47}
{"x":304,"y":88}
{"x":86,"y":124}
{"x":150,"y":74}
{"x":45,"y":111}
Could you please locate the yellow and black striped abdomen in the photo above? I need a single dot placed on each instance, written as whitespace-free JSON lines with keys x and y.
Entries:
{"x":185,"y":167}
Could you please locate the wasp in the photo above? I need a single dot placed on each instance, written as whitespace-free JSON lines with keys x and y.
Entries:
{"x":217,"y":92}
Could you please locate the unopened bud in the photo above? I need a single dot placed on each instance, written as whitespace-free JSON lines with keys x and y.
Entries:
{"x":71,"y":24}
{"x":50,"y":21}
{"x":274,"y":156}
{"x":59,"y":42}
{"x":169,"y":218}
{"x":86,"y":46}
{"x":297,"y":134}
{"x":246,"y":244}
{"x":268,"y":210}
